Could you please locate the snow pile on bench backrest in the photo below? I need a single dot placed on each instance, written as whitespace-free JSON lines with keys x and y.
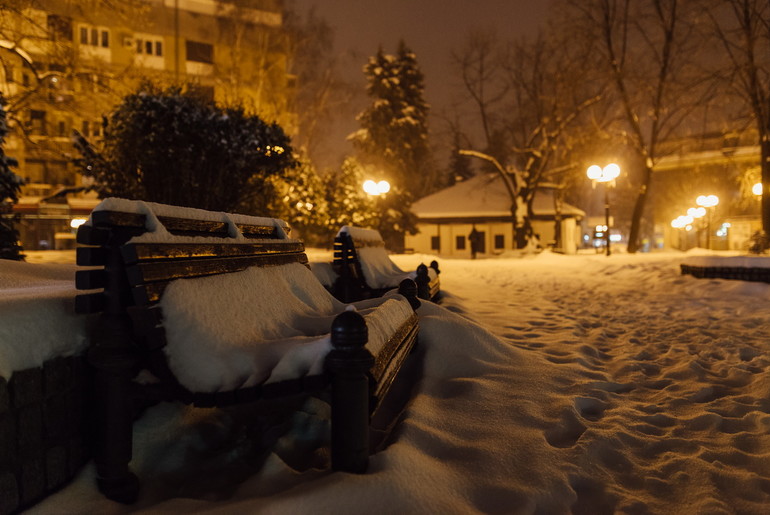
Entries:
{"x":378,"y":269}
{"x":158,"y":233}
{"x":264,"y":324}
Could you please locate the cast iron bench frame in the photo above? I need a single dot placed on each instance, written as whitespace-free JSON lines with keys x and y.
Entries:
{"x":130,"y":336}
{"x":351,"y":284}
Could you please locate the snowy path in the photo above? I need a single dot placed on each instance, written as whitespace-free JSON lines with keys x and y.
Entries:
{"x":664,"y":377}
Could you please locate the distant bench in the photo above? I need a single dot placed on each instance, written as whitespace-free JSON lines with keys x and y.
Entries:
{"x":365,"y":271}
{"x":247,"y":322}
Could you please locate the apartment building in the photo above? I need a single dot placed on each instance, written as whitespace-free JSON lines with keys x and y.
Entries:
{"x":67,"y":63}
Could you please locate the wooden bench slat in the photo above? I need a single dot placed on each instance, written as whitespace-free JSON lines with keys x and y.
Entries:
{"x":259,"y":231}
{"x":91,"y":256}
{"x":90,"y":279}
{"x":147,"y":272}
{"x":148,"y":291}
{"x":87,"y":303}
{"x":135,"y":252}
{"x":90,"y":235}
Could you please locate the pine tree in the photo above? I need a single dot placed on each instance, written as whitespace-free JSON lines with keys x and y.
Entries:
{"x":301,"y":200}
{"x":460,"y":167}
{"x":394,"y":138}
{"x":348,"y":204}
{"x":10,"y":186}
{"x":394,"y":129}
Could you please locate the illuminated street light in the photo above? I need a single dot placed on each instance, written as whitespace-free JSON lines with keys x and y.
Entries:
{"x":606,"y":175}
{"x":376,"y":188}
{"x":77,"y":222}
{"x":708,"y":201}
{"x":757,"y":189}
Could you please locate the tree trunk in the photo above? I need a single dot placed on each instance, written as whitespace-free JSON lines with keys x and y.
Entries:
{"x":636,"y":218}
{"x":764,"y":144}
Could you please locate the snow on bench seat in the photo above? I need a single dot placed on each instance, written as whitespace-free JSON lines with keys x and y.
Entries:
{"x":224,"y":333}
{"x":364,"y":268}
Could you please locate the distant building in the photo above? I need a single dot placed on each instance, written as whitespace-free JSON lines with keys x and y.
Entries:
{"x":66,"y":63}
{"x":446,"y":219}
{"x":710,"y":164}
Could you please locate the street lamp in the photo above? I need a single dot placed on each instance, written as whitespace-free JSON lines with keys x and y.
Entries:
{"x":708,"y":202}
{"x":682,"y":222}
{"x":376,"y":188}
{"x":757,"y":189}
{"x":606,"y":175}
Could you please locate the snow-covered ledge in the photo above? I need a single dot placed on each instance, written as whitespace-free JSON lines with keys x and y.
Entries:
{"x":743,"y":268}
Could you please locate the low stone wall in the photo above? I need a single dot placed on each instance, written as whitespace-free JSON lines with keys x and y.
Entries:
{"x":728,"y":272}
{"x":44,"y":438}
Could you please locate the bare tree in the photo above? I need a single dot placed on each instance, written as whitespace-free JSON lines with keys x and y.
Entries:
{"x":649,"y":53}
{"x":527,"y":96}
{"x":743,"y":29}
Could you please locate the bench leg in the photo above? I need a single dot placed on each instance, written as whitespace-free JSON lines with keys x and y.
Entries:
{"x":349,"y":363}
{"x":114,"y":360}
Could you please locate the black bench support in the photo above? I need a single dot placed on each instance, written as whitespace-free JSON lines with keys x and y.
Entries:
{"x":349,"y":361}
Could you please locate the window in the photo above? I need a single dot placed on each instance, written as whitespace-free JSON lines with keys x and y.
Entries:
{"x":61,"y":129}
{"x":499,"y":241}
{"x":37,"y":122}
{"x":94,"y":36}
{"x":460,"y":242}
{"x":9,"y":72}
{"x":149,"y":46}
{"x":199,"y":52}
{"x":435,"y":243}
{"x":84,"y":128}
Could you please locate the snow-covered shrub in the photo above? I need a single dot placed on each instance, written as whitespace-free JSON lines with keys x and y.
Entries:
{"x":173,"y":146}
{"x":10,"y":185}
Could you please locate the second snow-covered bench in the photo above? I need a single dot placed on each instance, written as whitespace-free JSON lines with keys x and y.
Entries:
{"x":365,"y":271}
{"x":214,"y":309}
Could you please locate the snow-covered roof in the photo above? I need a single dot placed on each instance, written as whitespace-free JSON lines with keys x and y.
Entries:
{"x":484,"y":196}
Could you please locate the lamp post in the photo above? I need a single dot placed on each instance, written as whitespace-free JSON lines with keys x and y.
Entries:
{"x":606,"y":175}
{"x":708,"y":202}
{"x":695,"y":213}
{"x":682,"y":222}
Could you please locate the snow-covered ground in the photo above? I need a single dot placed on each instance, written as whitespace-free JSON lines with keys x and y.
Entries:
{"x":542,"y":384}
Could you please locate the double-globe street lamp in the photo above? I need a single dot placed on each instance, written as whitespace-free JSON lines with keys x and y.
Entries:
{"x":606,"y":175}
{"x":376,"y":188}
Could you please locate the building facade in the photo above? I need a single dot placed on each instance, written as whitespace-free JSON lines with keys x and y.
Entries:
{"x":479,"y":209}
{"x":66,"y":64}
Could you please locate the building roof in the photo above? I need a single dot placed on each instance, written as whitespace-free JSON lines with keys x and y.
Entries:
{"x":485,"y":196}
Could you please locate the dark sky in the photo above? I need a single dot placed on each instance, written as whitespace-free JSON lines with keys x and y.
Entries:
{"x":431,"y":28}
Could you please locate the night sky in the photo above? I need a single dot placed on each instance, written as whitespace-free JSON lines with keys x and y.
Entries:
{"x":431,"y":28}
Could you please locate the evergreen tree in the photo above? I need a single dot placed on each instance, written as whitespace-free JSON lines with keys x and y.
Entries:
{"x":175,"y":147}
{"x":301,"y":200}
{"x":348,"y":204}
{"x":394,"y":138}
{"x":394,"y":129}
{"x":460,"y":167}
{"x":10,"y":186}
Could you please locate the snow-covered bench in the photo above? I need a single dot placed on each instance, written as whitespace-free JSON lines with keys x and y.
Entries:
{"x":214,"y":309}
{"x":365,"y":271}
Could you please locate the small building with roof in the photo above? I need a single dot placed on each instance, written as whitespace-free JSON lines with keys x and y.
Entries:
{"x":447,"y":218}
